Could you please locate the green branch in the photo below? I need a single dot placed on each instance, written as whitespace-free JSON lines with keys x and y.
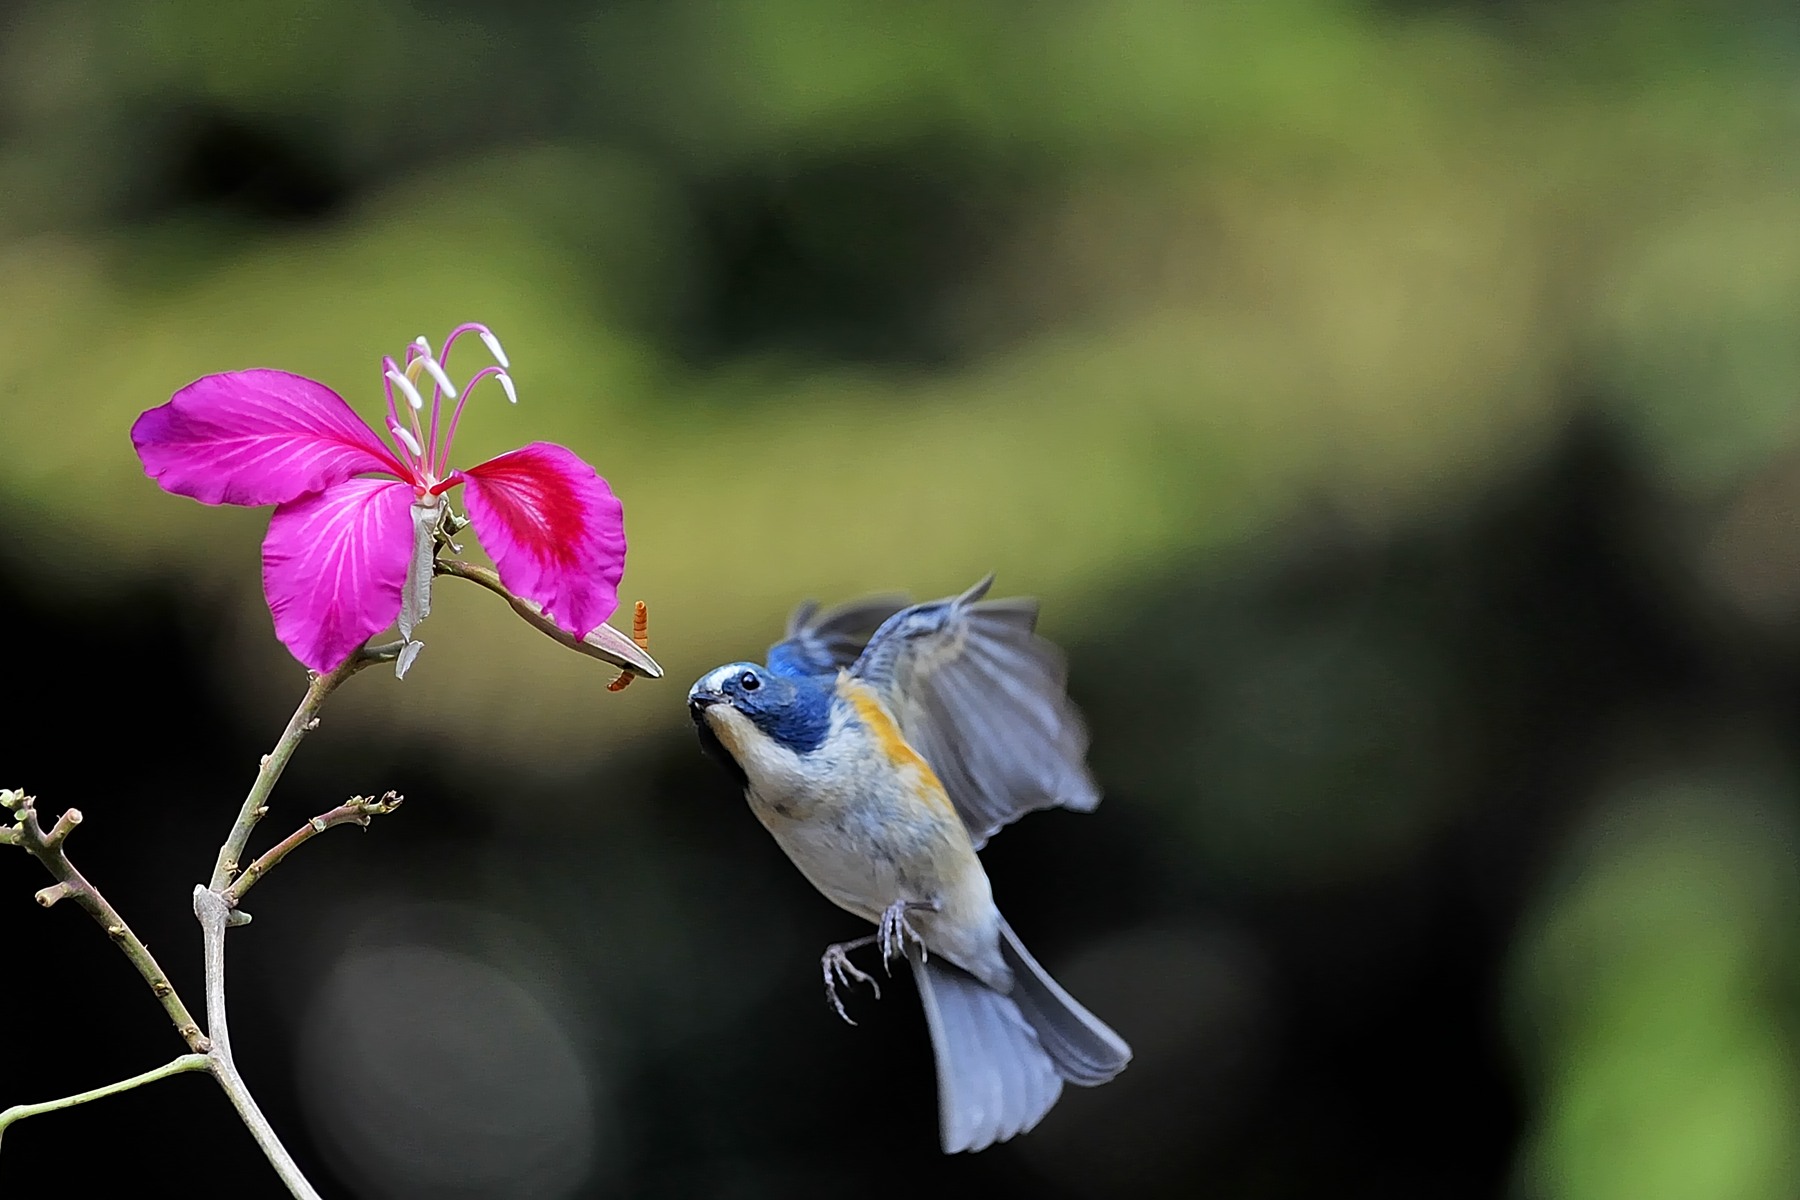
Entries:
{"x":187,"y":1062}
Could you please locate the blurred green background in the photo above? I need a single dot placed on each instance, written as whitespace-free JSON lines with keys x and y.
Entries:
{"x":1396,"y":406}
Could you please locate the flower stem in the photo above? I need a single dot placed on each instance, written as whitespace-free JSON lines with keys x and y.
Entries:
{"x":187,"y":1062}
{"x":603,"y":642}
{"x":304,"y":721}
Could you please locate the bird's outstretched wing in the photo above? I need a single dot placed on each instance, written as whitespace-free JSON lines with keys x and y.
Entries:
{"x":820,"y":643}
{"x":981,"y":696}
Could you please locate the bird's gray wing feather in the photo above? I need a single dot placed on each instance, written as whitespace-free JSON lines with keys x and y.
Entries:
{"x":982,"y":697}
{"x":820,"y":643}
{"x":994,"y":1079}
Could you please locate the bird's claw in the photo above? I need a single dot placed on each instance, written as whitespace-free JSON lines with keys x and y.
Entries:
{"x":839,"y":972}
{"x":895,"y":931}
{"x":892,"y":933}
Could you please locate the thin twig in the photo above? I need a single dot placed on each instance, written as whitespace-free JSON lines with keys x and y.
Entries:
{"x":304,"y":721}
{"x":187,"y":1062}
{"x":356,"y":812}
{"x":70,"y":884}
{"x":603,"y":642}
{"x":213,"y":914}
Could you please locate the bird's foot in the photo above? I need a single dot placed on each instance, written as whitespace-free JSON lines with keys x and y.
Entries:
{"x":895,"y":930}
{"x":841,"y":972}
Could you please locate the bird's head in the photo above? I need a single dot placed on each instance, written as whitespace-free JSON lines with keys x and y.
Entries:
{"x":753,"y":720}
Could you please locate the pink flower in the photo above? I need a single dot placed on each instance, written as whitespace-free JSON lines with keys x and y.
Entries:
{"x":350,"y":545}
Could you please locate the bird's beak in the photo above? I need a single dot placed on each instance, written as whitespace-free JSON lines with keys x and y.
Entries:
{"x":699,"y":701}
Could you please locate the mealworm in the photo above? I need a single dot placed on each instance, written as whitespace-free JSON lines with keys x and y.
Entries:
{"x":640,"y":633}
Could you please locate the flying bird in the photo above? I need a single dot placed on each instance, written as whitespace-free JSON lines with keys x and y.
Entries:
{"x":881,"y":762}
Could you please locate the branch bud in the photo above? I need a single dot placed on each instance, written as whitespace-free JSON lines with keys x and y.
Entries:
{"x":65,"y":825}
{"x":53,"y":893}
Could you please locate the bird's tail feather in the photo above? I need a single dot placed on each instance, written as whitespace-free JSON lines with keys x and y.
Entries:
{"x":1002,"y":1059}
{"x":1084,"y":1048}
{"x":994,"y":1080}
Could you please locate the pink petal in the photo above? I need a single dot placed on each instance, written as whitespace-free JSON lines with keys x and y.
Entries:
{"x":256,"y":437}
{"x":334,"y":564}
{"x":555,"y":530}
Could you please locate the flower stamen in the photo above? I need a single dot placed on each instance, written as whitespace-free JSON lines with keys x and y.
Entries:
{"x":487,"y":339}
{"x":407,"y":389}
{"x":440,"y":452}
{"x":406,"y":382}
{"x":438,"y":375}
{"x":411,"y":443}
{"x":506,"y":383}
{"x":493,"y":345}
{"x":418,"y":357}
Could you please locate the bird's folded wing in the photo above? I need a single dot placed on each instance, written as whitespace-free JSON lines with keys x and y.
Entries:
{"x":821,"y":643}
{"x":981,"y":696}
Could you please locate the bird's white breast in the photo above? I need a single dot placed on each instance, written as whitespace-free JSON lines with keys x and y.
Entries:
{"x":771,"y":766}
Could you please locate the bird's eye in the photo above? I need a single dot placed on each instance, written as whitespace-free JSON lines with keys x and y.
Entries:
{"x":748,"y":681}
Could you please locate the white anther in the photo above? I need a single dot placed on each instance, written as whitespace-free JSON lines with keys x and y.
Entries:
{"x":423,"y":345}
{"x":435,"y":369}
{"x":493,"y":345}
{"x":412,"y":443}
{"x":406,"y":387}
{"x":507,"y":384}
